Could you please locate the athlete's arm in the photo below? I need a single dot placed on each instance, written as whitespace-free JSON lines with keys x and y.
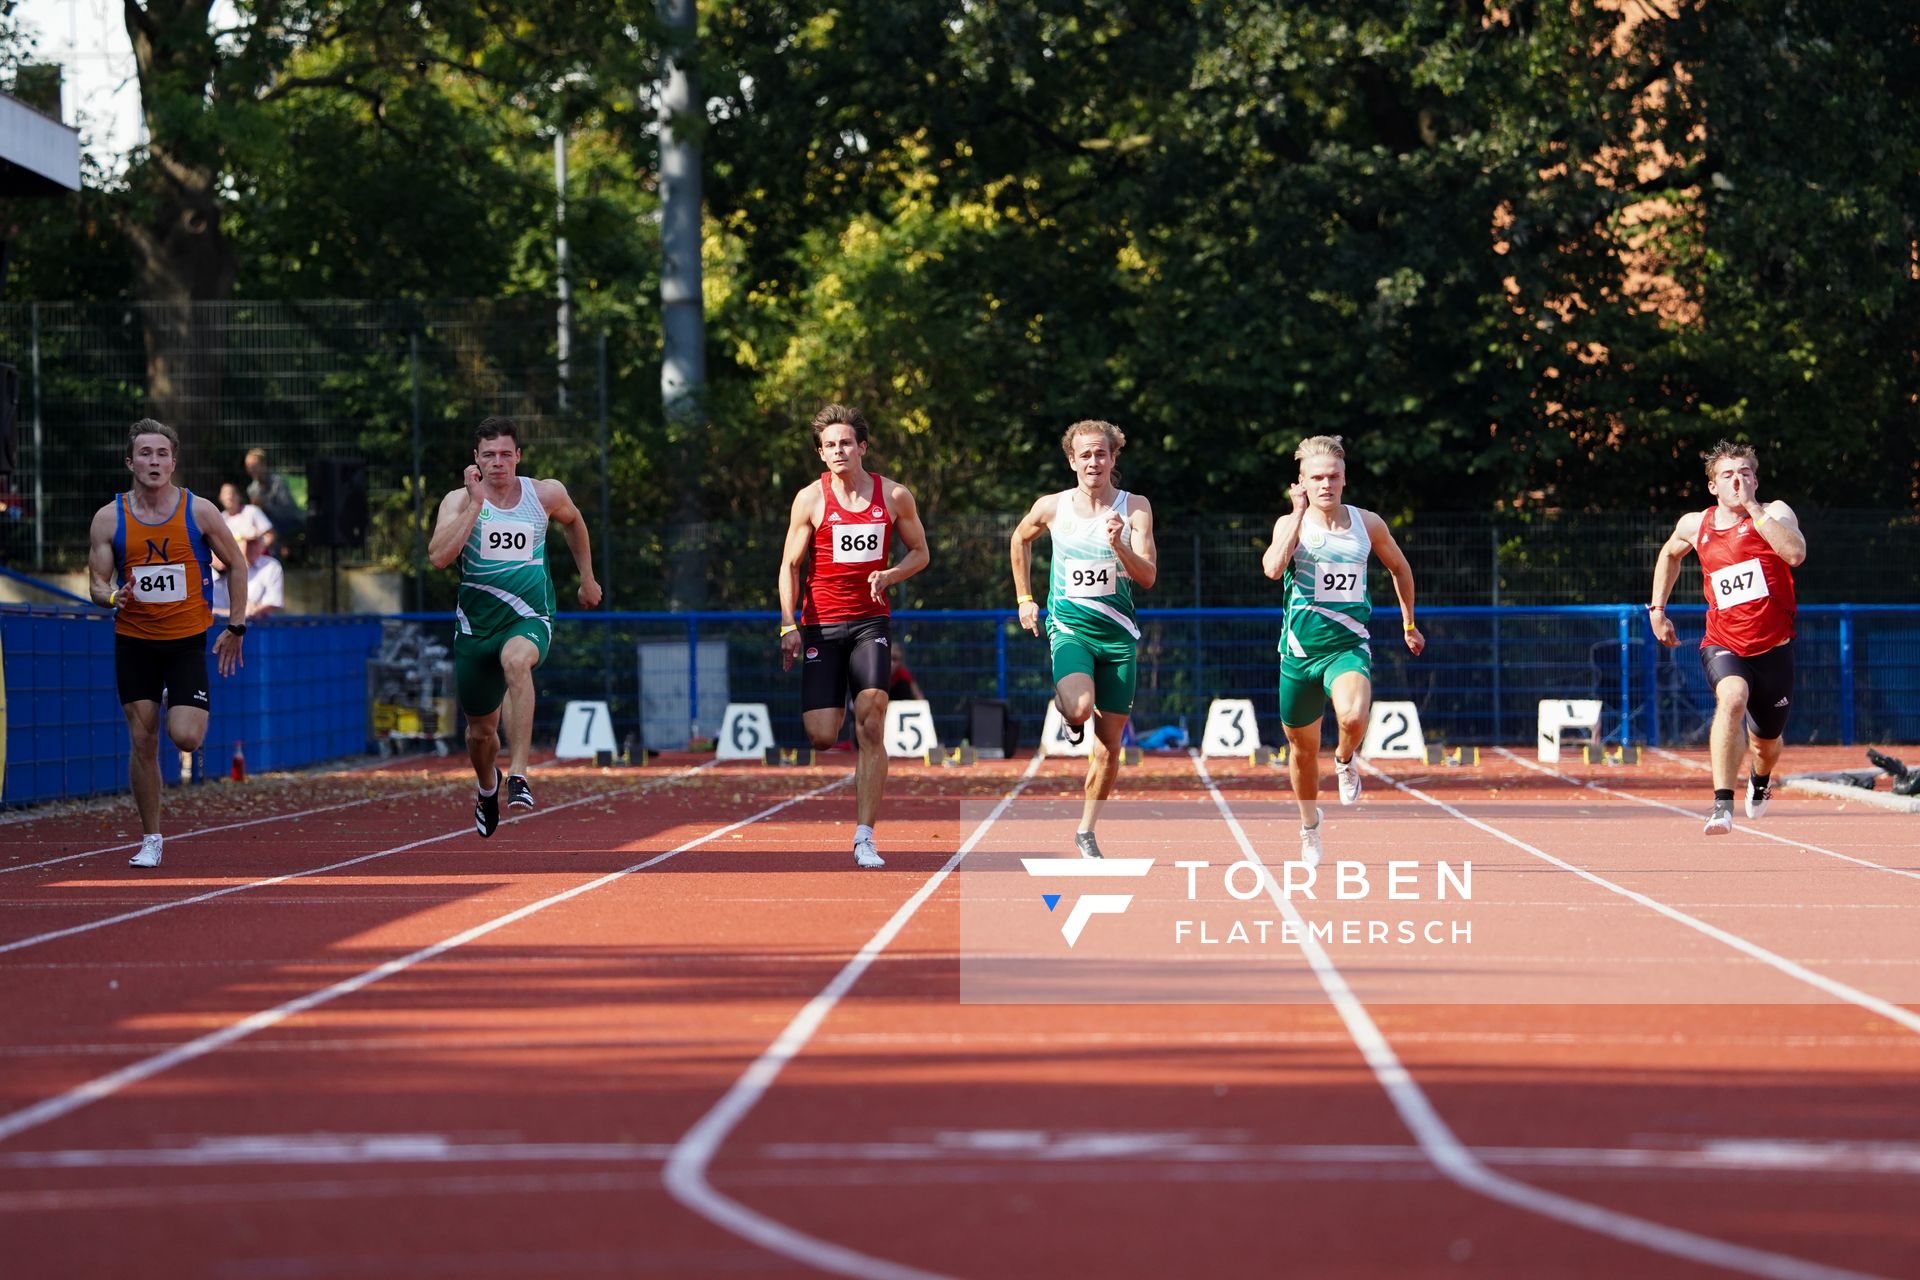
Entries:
{"x":912,"y":535}
{"x":1782,"y":532}
{"x":213,"y":527}
{"x":1395,"y":562}
{"x":102,"y":573}
{"x":1286,"y":536}
{"x":1666,"y":571}
{"x":458,"y":511}
{"x":1031,"y":526}
{"x":573,"y":526}
{"x":1137,"y":550}
{"x":800,"y":525}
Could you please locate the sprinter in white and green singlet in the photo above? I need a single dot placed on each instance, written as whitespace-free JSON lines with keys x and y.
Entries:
{"x":1320,"y":551}
{"x":1103,"y":551}
{"x":495,"y":528}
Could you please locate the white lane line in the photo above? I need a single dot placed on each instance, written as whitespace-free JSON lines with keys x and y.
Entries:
{"x":1453,"y":1158}
{"x":686,"y":1173}
{"x":251,"y":822}
{"x":1182,"y":1150}
{"x":1832,"y":986}
{"x":105,"y":1086}
{"x":1679,"y":759}
{"x":21,"y":944}
{"x":1693,"y":813}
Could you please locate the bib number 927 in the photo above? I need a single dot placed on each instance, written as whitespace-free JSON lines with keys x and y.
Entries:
{"x":1340,"y":586}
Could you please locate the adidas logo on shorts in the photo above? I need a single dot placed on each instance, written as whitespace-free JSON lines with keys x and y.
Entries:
{"x":1781,"y":703}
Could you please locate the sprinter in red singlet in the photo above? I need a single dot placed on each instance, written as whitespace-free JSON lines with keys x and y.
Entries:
{"x":148,"y":562}
{"x":834,"y":577}
{"x":1748,"y":551}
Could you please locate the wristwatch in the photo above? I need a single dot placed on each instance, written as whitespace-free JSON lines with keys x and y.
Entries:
{"x":236,"y":628}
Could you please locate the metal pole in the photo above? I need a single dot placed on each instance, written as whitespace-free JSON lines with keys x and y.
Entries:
{"x":419,"y":483}
{"x":606,"y":479}
{"x":39,"y":455}
{"x":1499,"y":719}
{"x":1626,"y":677}
{"x":563,"y":341}
{"x":1846,"y":676}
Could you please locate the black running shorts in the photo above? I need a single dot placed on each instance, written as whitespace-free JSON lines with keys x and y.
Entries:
{"x":1769,"y":678}
{"x":148,"y":669}
{"x":843,"y":657}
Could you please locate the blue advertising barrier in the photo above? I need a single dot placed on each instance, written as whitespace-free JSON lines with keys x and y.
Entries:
{"x":302,"y":696}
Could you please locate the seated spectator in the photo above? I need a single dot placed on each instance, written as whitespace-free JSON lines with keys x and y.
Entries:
{"x":268,"y":490}
{"x":245,"y":520}
{"x":901,"y":686}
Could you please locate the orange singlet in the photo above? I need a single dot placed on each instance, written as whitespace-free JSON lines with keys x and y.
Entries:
{"x":165,"y":578}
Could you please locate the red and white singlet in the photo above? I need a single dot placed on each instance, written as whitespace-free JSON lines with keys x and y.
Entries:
{"x":1749,"y":588}
{"x":847,"y":547}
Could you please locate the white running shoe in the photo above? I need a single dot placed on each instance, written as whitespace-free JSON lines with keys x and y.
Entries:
{"x":149,"y":855}
{"x":866,"y":855}
{"x":1758,"y":798}
{"x":1721,"y":823}
{"x":1348,"y":776}
{"x":1310,"y":845}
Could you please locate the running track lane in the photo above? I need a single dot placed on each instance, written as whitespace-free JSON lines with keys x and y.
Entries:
{"x":542,"y":1025}
{"x":986,"y":1128}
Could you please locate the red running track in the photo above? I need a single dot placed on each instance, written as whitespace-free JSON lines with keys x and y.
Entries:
{"x":548,"y":1054}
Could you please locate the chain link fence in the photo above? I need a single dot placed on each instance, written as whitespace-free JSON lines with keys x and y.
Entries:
{"x":401,"y":384}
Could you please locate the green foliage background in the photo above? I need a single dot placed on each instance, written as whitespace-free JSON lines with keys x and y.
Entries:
{"x":1224,"y":224}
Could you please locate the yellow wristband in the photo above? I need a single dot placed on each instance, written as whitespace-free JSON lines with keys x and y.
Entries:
{"x":786,"y":628}
{"x":113,"y":595}
{"x":1024,"y":600}
{"x":1406,"y":626}
{"x":1759,"y":520}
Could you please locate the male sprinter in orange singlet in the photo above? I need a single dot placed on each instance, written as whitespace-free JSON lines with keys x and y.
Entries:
{"x":147,"y":559}
{"x":1748,"y":551}
{"x":833,"y":580}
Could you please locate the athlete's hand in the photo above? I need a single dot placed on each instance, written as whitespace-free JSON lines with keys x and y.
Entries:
{"x":475,"y":489}
{"x":227,"y":650}
{"x":1298,"y":493}
{"x":877,"y":584}
{"x":789,"y":650}
{"x":1416,"y":643}
{"x":589,"y":593}
{"x":1663,"y":628}
{"x":1116,"y":528}
{"x":1030,"y":616}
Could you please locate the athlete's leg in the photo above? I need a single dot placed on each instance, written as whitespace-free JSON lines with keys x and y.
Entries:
{"x":1730,"y":695}
{"x":1303,"y":769}
{"x":1103,"y":764}
{"x":518,"y":657}
{"x":483,"y":746}
{"x":143,"y":770}
{"x":1074,"y":696}
{"x":1766,"y":753}
{"x":823,"y":725}
{"x":1352,"y":704}
{"x":870,"y":769}
{"x":187,"y":726}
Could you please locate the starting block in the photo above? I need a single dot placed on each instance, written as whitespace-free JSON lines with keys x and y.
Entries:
{"x":1268,"y":755}
{"x":1131,"y":755}
{"x":632,"y":756}
{"x":1453,"y":757}
{"x":788,"y":757}
{"x":1613,"y":755}
{"x":960,"y":755}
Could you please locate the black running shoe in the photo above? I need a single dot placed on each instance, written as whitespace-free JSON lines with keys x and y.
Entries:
{"x":519,"y":794}
{"x":486,"y":809}
{"x":1077,"y":733}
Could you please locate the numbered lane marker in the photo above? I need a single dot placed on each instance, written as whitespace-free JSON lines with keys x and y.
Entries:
{"x":586,"y":729}
{"x":909,"y":731}
{"x":1557,"y":715}
{"x":746,"y":731}
{"x":1231,"y":729}
{"x":1393,"y":733}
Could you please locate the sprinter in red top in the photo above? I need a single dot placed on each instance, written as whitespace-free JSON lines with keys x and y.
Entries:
{"x":1747,"y":551}
{"x":833,"y":579}
{"x":148,"y":562}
